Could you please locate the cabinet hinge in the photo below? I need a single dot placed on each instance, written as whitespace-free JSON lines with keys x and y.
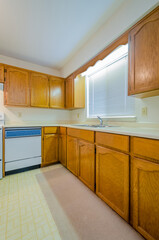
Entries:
{"x":5,"y":70}
{"x":95,"y":150}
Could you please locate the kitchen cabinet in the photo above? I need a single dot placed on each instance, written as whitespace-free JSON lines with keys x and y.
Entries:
{"x":70,"y":92}
{"x":72,"y":155}
{"x":39,"y":90}
{"x":57,"y":92}
{"x":145,"y":197}
{"x":112,"y":179}
{"x":50,"y":147}
{"x":16,"y":87}
{"x":62,"y":146}
{"x":144,"y":57}
{"x":81,"y":155}
{"x":1,"y":73}
{"x":75,"y":92}
{"x":86,"y":159}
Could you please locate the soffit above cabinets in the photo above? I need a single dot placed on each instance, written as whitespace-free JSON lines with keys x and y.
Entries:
{"x":49,"y":32}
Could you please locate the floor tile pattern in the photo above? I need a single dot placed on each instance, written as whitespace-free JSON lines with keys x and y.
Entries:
{"x":24,"y":213}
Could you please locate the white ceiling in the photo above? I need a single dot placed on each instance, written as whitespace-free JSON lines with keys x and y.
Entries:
{"x":48,"y":32}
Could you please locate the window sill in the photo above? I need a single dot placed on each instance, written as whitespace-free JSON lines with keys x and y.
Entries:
{"x":115,"y":118}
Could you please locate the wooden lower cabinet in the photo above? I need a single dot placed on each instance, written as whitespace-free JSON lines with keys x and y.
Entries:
{"x":50,"y":149}
{"x":72,"y":155}
{"x":62,"y":150}
{"x":145,"y":198}
{"x":86,"y":158}
{"x":112,"y":179}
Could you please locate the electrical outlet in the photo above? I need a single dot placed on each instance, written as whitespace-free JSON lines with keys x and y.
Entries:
{"x":144,"y":111}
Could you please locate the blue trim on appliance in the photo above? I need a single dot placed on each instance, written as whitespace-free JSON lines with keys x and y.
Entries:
{"x":22,"y":132}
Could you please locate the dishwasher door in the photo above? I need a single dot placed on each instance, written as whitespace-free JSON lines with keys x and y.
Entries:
{"x":22,"y":148}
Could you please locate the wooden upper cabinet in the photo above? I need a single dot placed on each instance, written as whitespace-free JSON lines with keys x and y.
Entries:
{"x":16,"y":87}
{"x":39,"y":90}
{"x":145,"y":194}
{"x":75,"y":92}
{"x":144,"y":57}
{"x":57,"y":92}
{"x":1,"y":73}
{"x":70,"y":92}
{"x":112,"y":179}
{"x":79,"y":92}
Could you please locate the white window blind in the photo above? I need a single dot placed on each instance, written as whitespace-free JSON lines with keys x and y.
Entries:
{"x":107,"y":92}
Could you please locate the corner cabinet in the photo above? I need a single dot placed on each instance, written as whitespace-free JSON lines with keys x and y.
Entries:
{"x":144,"y":57}
{"x":39,"y":90}
{"x":75,"y":92}
{"x":49,"y":145}
{"x":57,"y":92}
{"x":16,"y":87}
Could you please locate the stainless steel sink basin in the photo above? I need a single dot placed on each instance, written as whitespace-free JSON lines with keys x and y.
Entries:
{"x":93,"y":126}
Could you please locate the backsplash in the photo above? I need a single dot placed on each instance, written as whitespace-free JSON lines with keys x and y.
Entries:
{"x":20,"y":115}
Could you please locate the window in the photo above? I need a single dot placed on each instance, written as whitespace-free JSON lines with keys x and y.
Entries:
{"x":107,"y":84}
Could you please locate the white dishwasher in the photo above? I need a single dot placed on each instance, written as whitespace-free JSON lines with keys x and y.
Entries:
{"x":22,"y":148}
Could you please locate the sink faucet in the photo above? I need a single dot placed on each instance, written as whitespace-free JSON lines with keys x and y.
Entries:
{"x":101,"y":120}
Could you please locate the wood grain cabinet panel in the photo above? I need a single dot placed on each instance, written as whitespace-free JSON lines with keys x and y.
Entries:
{"x":144,"y":147}
{"x":70,"y":92}
{"x":144,"y":55}
{"x":79,"y":92}
{"x":16,"y":87}
{"x":50,"y":130}
{"x":86,"y":158}
{"x":62,"y":150}
{"x":50,"y":149}
{"x":112,"y":180}
{"x":57,"y":92}
{"x":72,"y":155}
{"x":1,"y":73}
{"x":75,"y":92}
{"x":80,"y":133}
{"x":39,"y":85}
{"x":145,"y":193}
{"x":116,"y":141}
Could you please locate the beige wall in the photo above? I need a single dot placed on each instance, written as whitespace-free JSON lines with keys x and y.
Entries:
{"x":126,"y":15}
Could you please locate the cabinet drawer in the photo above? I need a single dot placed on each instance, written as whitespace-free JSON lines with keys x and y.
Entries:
{"x":145,"y":147}
{"x":116,"y":141}
{"x":62,"y":130}
{"x":50,"y":130}
{"x":80,"y":133}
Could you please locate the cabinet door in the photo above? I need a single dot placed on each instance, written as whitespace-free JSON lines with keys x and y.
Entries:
{"x":1,"y":73}
{"x":39,"y":90}
{"x":72,"y":155}
{"x":143,"y":55}
{"x":79,"y":92}
{"x":112,"y":180}
{"x":50,"y":151}
{"x":62,"y":149}
{"x":70,"y":92}
{"x":57,"y":93}
{"x":86,"y":154}
{"x":145,"y":195}
{"x":16,"y":87}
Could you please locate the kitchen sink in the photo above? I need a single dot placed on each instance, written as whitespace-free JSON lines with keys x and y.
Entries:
{"x":94,"y":126}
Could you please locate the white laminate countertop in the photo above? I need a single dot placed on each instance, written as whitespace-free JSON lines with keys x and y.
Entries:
{"x":144,"y":132}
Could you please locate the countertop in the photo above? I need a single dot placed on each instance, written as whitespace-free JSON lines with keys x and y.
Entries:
{"x":144,"y":132}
